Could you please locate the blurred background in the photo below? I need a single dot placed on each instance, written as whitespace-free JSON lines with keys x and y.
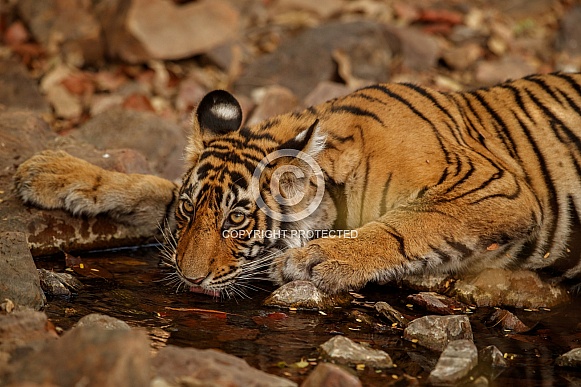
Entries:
{"x":76,"y":59}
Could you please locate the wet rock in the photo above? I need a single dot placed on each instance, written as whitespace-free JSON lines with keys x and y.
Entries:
{"x":343,"y":350}
{"x":190,"y":366}
{"x":89,"y":356}
{"x":161,"y":140}
{"x":507,"y":321}
{"x":570,"y":359}
{"x":491,"y":357}
{"x":66,"y":27}
{"x":25,"y":330}
{"x":499,"y":287}
{"x":140,"y":30}
{"x":305,"y":295}
{"x":294,"y":66}
{"x":101,"y":321}
{"x":438,"y":283}
{"x":457,"y":360}
{"x":327,"y":374}
{"x":271,"y":101}
{"x":438,"y":303}
{"x":392,"y":314}
{"x":508,"y":67}
{"x":19,"y":280}
{"x":435,"y":332}
{"x":18,"y":89}
{"x":58,"y":284}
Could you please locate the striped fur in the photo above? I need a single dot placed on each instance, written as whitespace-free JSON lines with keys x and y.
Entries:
{"x":431,"y":182}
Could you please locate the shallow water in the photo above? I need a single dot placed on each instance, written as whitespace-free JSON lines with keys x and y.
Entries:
{"x":130,"y":285}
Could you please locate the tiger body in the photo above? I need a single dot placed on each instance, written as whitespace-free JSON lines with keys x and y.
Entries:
{"x":431,"y":182}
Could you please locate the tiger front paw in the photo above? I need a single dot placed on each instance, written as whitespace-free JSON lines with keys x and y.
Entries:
{"x":322,"y":263}
{"x":49,"y":178}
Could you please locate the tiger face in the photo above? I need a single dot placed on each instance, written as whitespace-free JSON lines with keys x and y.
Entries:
{"x":245,"y":197}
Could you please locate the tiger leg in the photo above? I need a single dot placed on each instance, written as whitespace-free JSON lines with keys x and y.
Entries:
{"x":428,"y":235}
{"x":57,"y":180}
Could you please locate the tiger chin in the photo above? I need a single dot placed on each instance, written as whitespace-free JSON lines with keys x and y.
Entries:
{"x":424,"y":181}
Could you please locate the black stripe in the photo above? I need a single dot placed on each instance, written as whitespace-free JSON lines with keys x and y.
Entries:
{"x":364,"y":194}
{"x":383,"y":203}
{"x":356,"y":111}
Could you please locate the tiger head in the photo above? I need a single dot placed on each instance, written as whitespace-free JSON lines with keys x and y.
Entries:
{"x":249,"y":193}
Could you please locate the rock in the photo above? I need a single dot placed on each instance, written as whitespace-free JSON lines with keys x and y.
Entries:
{"x":65,"y":104}
{"x":58,"y":284}
{"x":65,"y":27}
{"x":569,"y":37}
{"x":323,"y":8}
{"x":343,"y":350}
{"x":392,"y":314}
{"x":438,"y":283}
{"x":570,"y":359}
{"x":326,"y":91}
{"x":294,"y":66}
{"x":101,"y":321}
{"x":507,"y":321}
{"x":25,"y":330}
{"x":305,"y":295}
{"x":160,"y":140}
{"x":508,"y":67}
{"x":437,"y":303}
{"x":18,"y":89}
{"x":462,"y":57}
{"x":435,"y":332}
{"x":272,"y":101}
{"x":139,"y":30}
{"x":327,"y":374}
{"x":457,"y":360}
{"x":418,"y":50}
{"x":209,"y":367}
{"x":500,"y":287}
{"x":491,"y":357}
{"x":19,"y":280}
{"x":87,"y":356}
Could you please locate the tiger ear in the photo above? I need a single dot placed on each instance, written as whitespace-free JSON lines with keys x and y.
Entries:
{"x":310,"y":141}
{"x":218,"y":113}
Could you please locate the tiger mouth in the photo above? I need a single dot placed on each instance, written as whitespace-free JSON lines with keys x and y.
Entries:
{"x":201,"y":290}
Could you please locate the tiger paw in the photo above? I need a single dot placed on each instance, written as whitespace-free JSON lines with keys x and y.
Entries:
{"x":322,"y":263}
{"x":49,"y":179}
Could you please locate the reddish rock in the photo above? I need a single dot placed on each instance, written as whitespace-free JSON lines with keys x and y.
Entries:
{"x":507,"y":321}
{"x":25,"y":329}
{"x":331,"y":375}
{"x":437,"y":303}
{"x":272,"y":101}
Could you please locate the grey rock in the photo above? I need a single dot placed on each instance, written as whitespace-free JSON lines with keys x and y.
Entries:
{"x":18,"y":89}
{"x":392,"y":314}
{"x":303,"y":61}
{"x":305,"y":295}
{"x":508,"y":67}
{"x":101,"y":321}
{"x":435,"y":332}
{"x":343,"y":350}
{"x":19,"y":279}
{"x":273,"y":100}
{"x":58,"y":284}
{"x":208,"y":367}
{"x":118,"y":128}
{"x":570,"y":359}
{"x":327,"y":374}
{"x":88,"y":356}
{"x":418,"y":50}
{"x":457,"y":360}
{"x":491,"y":357}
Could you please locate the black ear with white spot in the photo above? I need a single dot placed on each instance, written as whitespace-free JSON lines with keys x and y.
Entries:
{"x":219,"y":113}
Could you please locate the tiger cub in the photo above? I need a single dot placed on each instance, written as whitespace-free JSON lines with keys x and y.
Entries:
{"x":390,"y":180}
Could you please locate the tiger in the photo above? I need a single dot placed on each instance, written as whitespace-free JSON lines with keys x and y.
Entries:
{"x":421,"y":181}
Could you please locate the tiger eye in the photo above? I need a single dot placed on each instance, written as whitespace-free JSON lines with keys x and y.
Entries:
{"x":237,"y":217}
{"x":188,"y":206}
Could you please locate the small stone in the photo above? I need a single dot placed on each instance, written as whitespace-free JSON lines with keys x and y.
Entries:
{"x":392,"y":314}
{"x":438,"y":283}
{"x":507,"y":321}
{"x":101,"y":321}
{"x":435,"y":332}
{"x":25,"y":329}
{"x":437,"y":303}
{"x":325,"y":91}
{"x":462,"y":57}
{"x":457,"y":360}
{"x":570,"y":359}
{"x":58,"y":284}
{"x":343,"y":350}
{"x":271,"y":101}
{"x":327,"y":374}
{"x":305,"y":295}
{"x":492,"y":357}
{"x":508,"y":67}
